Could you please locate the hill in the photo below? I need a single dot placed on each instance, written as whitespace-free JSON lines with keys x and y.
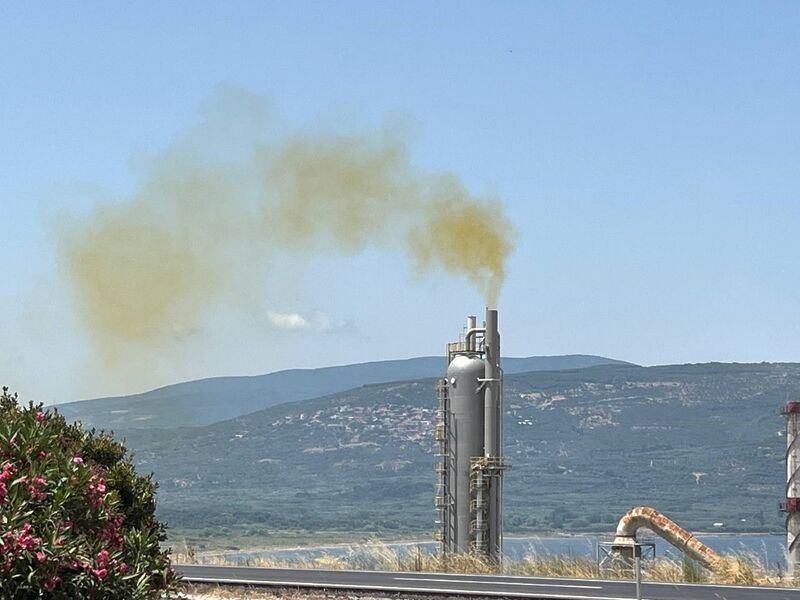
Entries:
{"x":700,"y":442}
{"x":206,"y":401}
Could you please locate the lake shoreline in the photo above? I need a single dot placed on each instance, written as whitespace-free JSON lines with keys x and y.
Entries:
{"x":339,"y":546}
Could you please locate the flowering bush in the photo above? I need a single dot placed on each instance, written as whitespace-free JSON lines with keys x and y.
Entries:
{"x":76,"y":521}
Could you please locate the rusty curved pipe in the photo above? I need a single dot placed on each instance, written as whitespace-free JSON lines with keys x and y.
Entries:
{"x":650,"y":518}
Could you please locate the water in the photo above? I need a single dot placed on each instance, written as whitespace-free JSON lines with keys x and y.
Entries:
{"x":769,"y":548}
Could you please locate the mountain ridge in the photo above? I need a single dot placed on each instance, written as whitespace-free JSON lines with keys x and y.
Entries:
{"x":209,"y":400}
{"x":702,"y":442}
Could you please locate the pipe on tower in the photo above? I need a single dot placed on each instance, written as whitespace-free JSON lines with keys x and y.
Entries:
{"x":492,"y":435}
{"x":492,"y":380}
{"x":472,"y":325}
{"x":469,"y":340}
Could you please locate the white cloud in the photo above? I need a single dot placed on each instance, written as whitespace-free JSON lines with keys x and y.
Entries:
{"x":316,"y":321}
{"x":281,"y":320}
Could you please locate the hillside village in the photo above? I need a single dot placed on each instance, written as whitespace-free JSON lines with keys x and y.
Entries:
{"x":702,"y":442}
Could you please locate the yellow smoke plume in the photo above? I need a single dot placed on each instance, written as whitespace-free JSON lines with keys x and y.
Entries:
{"x":157,"y":262}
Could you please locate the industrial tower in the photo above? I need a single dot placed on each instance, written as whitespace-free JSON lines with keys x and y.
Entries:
{"x":469,"y":434}
{"x":792,"y":505}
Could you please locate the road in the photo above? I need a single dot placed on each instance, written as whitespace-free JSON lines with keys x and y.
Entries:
{"x":477,"y":585}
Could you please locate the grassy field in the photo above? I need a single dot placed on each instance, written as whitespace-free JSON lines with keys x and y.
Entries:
{"x":738,"y":569}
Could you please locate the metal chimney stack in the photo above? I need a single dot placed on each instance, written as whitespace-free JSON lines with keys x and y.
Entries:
{"x":792,"y":505}
{"x":469,"y":431}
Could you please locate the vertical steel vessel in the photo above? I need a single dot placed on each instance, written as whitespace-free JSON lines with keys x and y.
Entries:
{"x":466,"y":424}
{"x":470,"y":460}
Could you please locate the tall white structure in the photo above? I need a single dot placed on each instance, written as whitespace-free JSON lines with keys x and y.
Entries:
{"x":792,"y":505}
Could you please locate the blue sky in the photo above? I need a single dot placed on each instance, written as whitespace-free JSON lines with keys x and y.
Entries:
{"x":647,"y":154}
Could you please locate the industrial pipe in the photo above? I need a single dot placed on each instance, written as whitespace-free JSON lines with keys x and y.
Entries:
{"x":472,"y":323}
{"x":650,"y":518}
{"x":491,"y":423}
{"x":469,"y":343}
{"x":492,"y":390}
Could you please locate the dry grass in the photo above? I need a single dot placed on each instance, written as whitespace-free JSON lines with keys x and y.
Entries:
{"x":747,"y":569}
{"x":738,"y":569}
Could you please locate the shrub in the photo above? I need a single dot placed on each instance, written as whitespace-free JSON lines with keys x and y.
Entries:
{"x":76,"y":521}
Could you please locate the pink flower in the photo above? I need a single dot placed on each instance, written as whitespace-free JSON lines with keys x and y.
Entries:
{"x":100,"y":573}
{"x":36,"y":488}
{"x":123,"y":567}
{"x":77,"y":460}
{"x":110,"y":531}
{"x":96,"y":490}
{"x":40,"y":416}
{"x":7,"y":472}
{"x":14,"y":542}
{"x":40,"y":555}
